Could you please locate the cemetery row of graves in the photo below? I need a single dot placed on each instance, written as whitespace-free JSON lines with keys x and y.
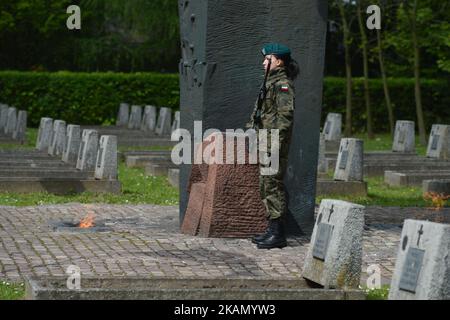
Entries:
{"x":69,"y":158}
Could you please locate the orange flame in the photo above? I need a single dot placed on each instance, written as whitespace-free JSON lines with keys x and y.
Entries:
{"x":438,"y":200}
{"x":87,"y":222}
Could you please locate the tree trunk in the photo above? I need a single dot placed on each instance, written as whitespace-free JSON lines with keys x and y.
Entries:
{"x":366,"y":71}
{"x":348,"y":72}
{"x":417,"y":91}
{"x":385,"y":85}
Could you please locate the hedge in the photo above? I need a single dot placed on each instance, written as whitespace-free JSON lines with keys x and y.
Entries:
{"x":93,"y":98}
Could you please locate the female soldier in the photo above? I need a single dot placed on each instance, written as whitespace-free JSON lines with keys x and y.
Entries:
{"x":274,"y":109}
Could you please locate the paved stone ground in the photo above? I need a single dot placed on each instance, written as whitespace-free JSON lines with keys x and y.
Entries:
{"x":144,"y":241}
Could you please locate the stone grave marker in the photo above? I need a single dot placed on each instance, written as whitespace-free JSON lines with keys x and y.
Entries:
{"x":149,"y":119}
{"x":404,"y":137}
{"x":3,"y":117}
{"x":422,"y":268}
{"x":11,"y":121}
{"x":58,"y":140}
{"x":349,"y":164}
{"x":164,"y":125}
{"x":106,"y":166}
{"x":21,"y":126}
{"x":333,"y":127}
{"x":87,"y":154}
{"x":176,"y":121}
{"x":439,"y":142}
{"x":123,"y":115}
{"x":45,"y":133}
{"x":72,"y":145}
{"x":335,"y":255}
{"x":135,"y":117}
{"x":322,"y":167}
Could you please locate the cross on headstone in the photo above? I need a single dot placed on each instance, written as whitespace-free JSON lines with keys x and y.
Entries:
{"x":331,"y":212}
{"x":420,"y":232}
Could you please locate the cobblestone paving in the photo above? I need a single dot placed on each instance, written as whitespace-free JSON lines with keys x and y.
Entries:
{"x":144,"y":241}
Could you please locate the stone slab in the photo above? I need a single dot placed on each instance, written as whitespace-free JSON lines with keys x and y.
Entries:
{"x":413,"y":177}
{"x":332,"y":187}
{"x":159,"y":169}
{"x":183,"y":289}
{"x":378,"y":169}
{"x":59,"y":186}
{"x":123,"y":115}
{"x":440,"y":186}
{"x":173,"y":177}
{"x":144,"y":160}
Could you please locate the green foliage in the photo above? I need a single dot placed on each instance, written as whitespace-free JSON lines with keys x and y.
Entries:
{"x":93,"y":98}
{"x":85,"y":98}
{"x":435,"y":98}
{"x":11,"y":291}
{"x":377,"y":294}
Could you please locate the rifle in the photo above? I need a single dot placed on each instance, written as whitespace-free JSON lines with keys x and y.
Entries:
{"x":262,"y":95}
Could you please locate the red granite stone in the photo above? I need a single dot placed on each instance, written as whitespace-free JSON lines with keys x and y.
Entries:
{"x":228,"y":204}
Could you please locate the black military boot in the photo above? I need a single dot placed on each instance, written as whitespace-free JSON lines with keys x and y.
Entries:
{"x":276,"y":239}
{"x":261,"y":237}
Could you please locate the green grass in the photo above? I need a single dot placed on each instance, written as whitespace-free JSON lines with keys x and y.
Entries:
{"x":380,"y":194}
{"x":383,"y":142}
{"x":31,"y":135}
{"x":11,"y":291}
{"x":137,"y":188}
{"x":377,"y":294}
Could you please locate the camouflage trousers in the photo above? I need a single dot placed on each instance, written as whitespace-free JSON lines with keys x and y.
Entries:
{"x":273,"y":193}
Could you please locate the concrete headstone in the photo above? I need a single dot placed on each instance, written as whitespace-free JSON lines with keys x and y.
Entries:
{"x":135,"y":117}
{"x":106,"y":166}
{"x":149,"y":119}
{"x":21,"y":126}
{"x":323,"y":164}
{"x":3,"y":117}
{"x":11,"y":121}
{"x":439,"y":142}
{"x":176,"y":121}
{"x":333,"y":127}
{"x":123,"y":115}
{"x":87,"y":154}
{"x":404,"y":136}
{"x":72,"y":146}
{"x":164,"y":125}
{"x":334,"y":256}
{"x":349,"y":164}
{"x":58,"y":143}
{"x":422,"y":267}
{"x":45,"y":134}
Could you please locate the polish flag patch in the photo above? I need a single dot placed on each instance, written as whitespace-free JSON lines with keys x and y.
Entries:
{"x":284,"y":88}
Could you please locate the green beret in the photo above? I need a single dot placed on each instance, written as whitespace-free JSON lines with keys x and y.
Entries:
{"x":276,"y":49}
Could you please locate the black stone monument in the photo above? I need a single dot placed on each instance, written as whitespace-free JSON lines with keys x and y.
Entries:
{"x":221,"y":72}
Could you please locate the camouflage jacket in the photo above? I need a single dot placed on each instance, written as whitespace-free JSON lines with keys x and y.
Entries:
{"x":277,"y":110}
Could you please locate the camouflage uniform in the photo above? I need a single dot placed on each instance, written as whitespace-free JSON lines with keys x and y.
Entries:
{"x":276,"y":113}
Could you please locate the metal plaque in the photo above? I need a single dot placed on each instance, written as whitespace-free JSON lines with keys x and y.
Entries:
{"x":344,"y":159}
{"x":411,"y":270}
{"x":323,"y":237}
{"x":435,"y":142}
